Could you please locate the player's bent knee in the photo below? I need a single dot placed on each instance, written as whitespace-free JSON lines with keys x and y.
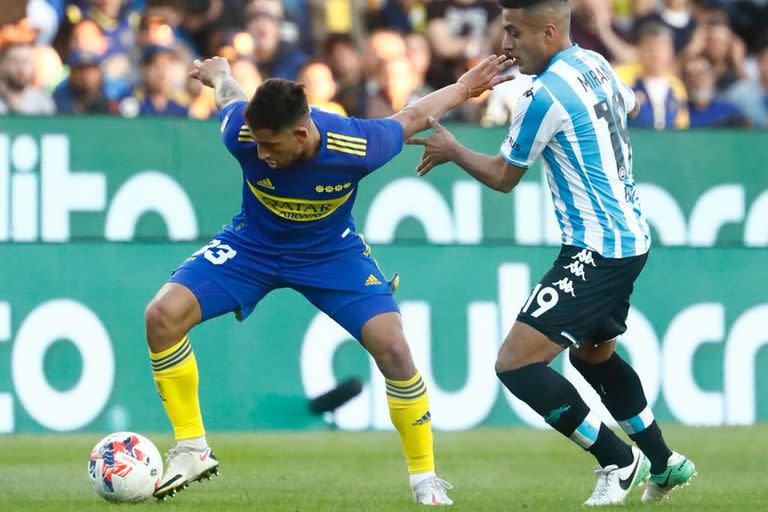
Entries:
{"x":392,"y":353}
{"x":165,"y":323}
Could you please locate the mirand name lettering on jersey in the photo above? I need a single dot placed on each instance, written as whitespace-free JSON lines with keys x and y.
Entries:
{"x":575,"y":117}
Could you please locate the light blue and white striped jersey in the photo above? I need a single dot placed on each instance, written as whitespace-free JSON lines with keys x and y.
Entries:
{"x":575,"y":116}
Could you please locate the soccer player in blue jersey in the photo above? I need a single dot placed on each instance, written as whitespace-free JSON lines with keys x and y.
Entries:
{"x":575,"y":116}
{"x":301,"y":167}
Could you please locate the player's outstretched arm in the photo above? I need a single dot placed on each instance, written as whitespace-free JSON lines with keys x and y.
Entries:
{"x":473,"y":83}
{"x":442,"y":147}
{"x":216,"y":73}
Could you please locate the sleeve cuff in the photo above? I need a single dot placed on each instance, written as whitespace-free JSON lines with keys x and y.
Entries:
{"x":512,"y":161}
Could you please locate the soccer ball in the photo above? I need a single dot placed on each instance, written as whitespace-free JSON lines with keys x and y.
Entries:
{"x":125,"y":467}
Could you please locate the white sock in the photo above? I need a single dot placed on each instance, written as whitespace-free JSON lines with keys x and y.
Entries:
{"x":417,"y":478}
{"x":198,"y":443}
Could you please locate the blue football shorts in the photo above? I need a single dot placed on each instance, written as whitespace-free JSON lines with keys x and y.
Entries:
{"x":232,"y":274}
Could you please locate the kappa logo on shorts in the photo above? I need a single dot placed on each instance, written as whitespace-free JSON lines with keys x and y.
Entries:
{"x":565,"y":285}
{"x":372,"y":280}
{"x":585,"y":256}
{"x":576,"y":269}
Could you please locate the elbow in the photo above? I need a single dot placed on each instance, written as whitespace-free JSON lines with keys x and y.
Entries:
{"x":409,"y":118}
{"x":506,"y":183}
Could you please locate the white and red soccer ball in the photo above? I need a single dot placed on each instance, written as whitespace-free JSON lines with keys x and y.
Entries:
{"x":125,"y":467}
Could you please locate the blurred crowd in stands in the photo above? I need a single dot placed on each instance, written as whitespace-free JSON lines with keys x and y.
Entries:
{"x":692,"y":63}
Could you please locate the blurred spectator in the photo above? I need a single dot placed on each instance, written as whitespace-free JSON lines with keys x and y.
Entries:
{"x":662,"y":97}
{"x":458,"y":31}
{"x":17,"y":75}
{"x":171,"y":13}
{"x":397,"y":82}
{"x":592,"y":27}
{"x":118,"y":22}
{"x":339,"y":17}
{"x":247,"y":75}
{"x":117,"y":66}
{"x":677,"y":16}
{"x":705,"y":110}
{"x":383,"y":45}
{"x":43,"y":17}
{"x":751,"y":95}
{"x":404,"y":16}
{"x":319,"y":86}
{"x":86,"y":35}
{"x":157,"y":95}
{"x":202,"y":103}
{"x":49,"y":69}
{"x":84,"y":91}
{"x":727,"y":53}
{"x":420,"y":54}
{"x":503,"y":98}
{"x":199,"y":22}
{"x":274,"y":57}
{"x":345,"y":62}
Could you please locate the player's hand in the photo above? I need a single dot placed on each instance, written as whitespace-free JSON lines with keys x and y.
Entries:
{"x":209,"y":70}
{"x":438,"y":147}
{"x":484,"y":76}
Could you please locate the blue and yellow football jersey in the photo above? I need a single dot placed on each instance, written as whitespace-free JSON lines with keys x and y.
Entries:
{"x":307,"y":205}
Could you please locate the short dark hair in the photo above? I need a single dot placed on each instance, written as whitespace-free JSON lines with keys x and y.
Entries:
{"x":277,"y":104}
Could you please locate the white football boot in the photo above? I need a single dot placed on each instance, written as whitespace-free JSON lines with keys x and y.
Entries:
{"x":432,"y":491}
{"x":186,"y":465}
{"x":614,"y":483}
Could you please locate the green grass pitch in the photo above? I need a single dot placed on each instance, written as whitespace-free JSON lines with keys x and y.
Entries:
{"x":491,"y":469}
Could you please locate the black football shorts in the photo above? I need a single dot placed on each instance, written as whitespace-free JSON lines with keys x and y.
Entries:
{"x":584,"y":298}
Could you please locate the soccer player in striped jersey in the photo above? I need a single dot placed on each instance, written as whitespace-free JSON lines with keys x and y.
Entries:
{"x":575,"y":117}
{"x":301,"y":167}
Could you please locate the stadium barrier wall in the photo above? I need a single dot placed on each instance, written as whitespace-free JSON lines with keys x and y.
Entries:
{"x":95,"y":213}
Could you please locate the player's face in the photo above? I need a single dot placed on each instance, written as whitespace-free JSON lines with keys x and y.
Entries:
{"x":280,"y":149}
{"x":525,"y":40}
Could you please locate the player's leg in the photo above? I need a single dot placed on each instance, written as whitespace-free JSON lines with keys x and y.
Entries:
{"x":621,"y":391}
{"x":408,"y":400}
{"x":523,"y":367}
{"x":351,"y":289}
{"x":565,"y":304}
{"x":221,"y":277}
{"x":169,"y":317}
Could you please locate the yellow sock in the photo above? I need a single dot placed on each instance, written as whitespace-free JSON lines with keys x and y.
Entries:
{"x":175,"y":372}
{"x":409,"y":409}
